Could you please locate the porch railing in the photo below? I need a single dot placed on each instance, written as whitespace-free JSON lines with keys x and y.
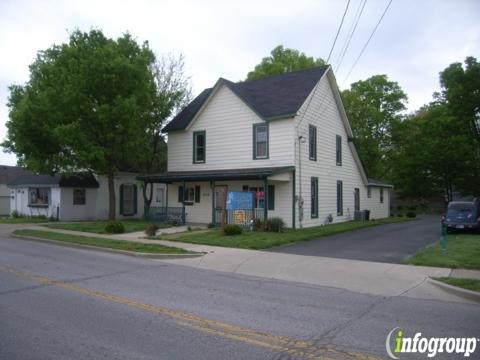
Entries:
{"x":241,"y":217}
{"x":164,"y":215}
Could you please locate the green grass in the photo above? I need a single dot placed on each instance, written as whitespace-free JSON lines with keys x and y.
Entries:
{"x":98,"y":227}
{"x":264,"y":240}
{"x":469,"y":284}
{"x":104,"y":243}
{"x":23,"y":220}
{"x":463,"y":251}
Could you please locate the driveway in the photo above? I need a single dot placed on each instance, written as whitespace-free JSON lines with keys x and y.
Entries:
{"x":384,"y":243}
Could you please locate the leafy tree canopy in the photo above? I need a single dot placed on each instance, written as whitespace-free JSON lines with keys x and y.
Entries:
{"x":283,"y":60}
{"x":374,"y":106}
{"x":93,"y":103}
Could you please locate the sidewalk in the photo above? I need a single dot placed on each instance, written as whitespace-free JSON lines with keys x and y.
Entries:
{"x":359,"y":276}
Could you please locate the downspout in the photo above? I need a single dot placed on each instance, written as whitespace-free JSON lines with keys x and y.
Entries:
{"x":265,"y":199}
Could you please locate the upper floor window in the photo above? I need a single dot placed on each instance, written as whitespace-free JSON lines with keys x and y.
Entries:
{"x":312,"y":142}
{"x":339,"y":150}
{"x":199,"y":147}
{"x":260,"y":141}
{"x":369,"y":192}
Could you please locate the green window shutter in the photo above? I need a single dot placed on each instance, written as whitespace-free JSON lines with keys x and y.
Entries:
{"x":271,"y":197}
{"x":180,"y":194}
{"x":339,"y":198}
{"x":134,"y":199}
{"x":121,"y":199}
{"x":197,"y":194}
{"x":314,"y":197}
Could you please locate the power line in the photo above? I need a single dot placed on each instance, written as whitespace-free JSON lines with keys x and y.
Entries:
{"x":338,"y":31}
{"x":347,"y":43}
{"x":366,"y":44}
{"x":330,"y":54}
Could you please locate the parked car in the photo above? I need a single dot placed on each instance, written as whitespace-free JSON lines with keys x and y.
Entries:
{"x":462,"y":216}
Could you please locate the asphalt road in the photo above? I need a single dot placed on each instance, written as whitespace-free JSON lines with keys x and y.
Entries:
{"x":64,"y":303}
{"x":389,"y":243}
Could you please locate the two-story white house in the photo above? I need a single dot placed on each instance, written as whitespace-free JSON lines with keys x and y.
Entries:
{"x":285,"y":138}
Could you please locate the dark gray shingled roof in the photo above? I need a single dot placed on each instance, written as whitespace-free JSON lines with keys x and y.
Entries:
{"x":227,"y":174}
{"x":277,"y":96}
{"x":9,"y":173}
{"x":86,"y":180}
{"x":374,"y":182}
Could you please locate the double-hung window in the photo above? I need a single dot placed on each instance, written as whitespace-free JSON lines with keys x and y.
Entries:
{"x":339,"y":198}
{"x":339,"y":150}
{"x":314,"y":197}
{"x":381,"y":195}
{"x":79,"y":196}
{"x":39,"y":196}
{"x":312,"y":142}
{"x":260,"y":141}
{"x":199,"y":147}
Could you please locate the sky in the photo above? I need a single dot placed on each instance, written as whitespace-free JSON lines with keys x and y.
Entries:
{"x":414,"y":42}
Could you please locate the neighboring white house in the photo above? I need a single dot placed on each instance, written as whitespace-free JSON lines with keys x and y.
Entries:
{"x":285,"y":138}
{"x":7,"y":174}
{"x":79,"y":196}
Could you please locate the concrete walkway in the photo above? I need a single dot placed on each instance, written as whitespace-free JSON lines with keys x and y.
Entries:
{"x":374,"y":278}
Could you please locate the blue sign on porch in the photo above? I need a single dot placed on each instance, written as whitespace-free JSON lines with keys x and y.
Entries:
{"x":239,"y":200}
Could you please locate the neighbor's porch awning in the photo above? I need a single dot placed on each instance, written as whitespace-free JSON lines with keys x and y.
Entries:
{"x":221,"y":175}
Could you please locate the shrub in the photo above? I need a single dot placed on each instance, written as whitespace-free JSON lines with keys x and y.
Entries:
{"x":411,"y":214}
{"x":15,"y":214}
{"x":399,"y":215}
{"x":189,"y":228}
{"x":151,"y":229}
{"x":173,"y":223}
{"x":211,"y":226}
{"x":114,"y":227}
{"x":258,"y":225}
{"x":275,"y":224}
{"x":412,"y":208}
{"x":232,"y":230}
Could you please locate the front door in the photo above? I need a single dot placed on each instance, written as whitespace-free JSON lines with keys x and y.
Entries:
{"x":357,"y":199}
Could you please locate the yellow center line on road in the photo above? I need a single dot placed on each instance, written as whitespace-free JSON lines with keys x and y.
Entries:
{"x":296,"y":348}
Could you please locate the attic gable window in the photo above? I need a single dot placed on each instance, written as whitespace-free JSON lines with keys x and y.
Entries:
{"x":260,"y":141}
{"x":199,"y":147}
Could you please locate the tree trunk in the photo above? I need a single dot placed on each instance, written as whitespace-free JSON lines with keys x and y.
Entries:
{"x":111,"y":195}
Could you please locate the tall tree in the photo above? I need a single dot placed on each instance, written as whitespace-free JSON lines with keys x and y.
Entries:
{"x":374,"y":106}
{"x":283,"y":60}
{"x":88,"y":104}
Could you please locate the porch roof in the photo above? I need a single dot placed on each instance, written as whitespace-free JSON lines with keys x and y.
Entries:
{"x":206,"y":175}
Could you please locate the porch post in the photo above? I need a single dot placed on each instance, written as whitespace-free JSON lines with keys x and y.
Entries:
{"x":183,"y":202}
{"x":265,"y":199}
{"x":212,"y":186}
{"x":146,"y":205}
{"x":166,"y":201}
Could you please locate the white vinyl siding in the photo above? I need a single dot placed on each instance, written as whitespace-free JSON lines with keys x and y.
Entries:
{"x":323,"y":112}
{"x":229,"y":123}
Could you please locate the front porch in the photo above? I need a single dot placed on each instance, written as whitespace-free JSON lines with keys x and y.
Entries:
{"x":200,"y":196}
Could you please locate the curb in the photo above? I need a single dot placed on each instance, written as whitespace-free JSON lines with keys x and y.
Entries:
{"x":455,"y":290}
{"x":108,"y":250}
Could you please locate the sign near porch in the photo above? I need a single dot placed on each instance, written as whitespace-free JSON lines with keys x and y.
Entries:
{"x":239,"y":200}
{"x":239,"y":217}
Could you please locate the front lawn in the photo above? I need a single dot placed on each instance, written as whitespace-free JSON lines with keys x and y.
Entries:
{"x":24,"y":220}
{"x":463,"y":251}
{"x":102,"y":242}
{"x":264,"y":240}
{"x":469,"y":284}
{"x":98,"y":227}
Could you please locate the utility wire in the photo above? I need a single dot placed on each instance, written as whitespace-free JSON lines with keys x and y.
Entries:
{"x":366,"y":44}
{"x":330,"y":54}
{"x":338,"y":31}
{"x":347,"y":43}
